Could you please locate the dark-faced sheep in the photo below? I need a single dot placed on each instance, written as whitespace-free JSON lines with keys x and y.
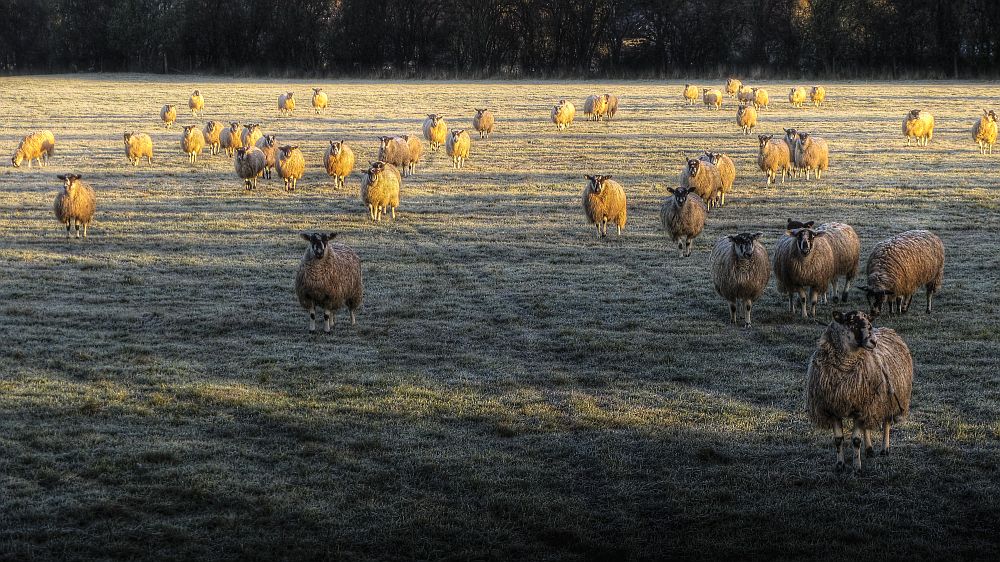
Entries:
{"x":712,"y":98}
{"x":196,"y":103}
{"x":817,"y":95}
{"x":683,"y":218}
{"x":611,"y":101}
{"x":339,"y":162}
{"x":329,"y":278}
{"x":727,"y":175}
{"x":37,"y":146}
{"x":703,"y":178}
{"x":395,"y":151}
{"x":268,"y":144}
{"x":319,"y":99}
{"x":435,"y":131}
{"x":773,"y":157}
{"x":846,"y":248}
{"x":984,"y":132}
{"x":740,"y":271}
{"x":75,"y":204}
{"x":168,"y":114}
{"x":483,"y":122}
{"x":690,"y":94}
{"x":563,"y":114}
{"x":137,"y":146}
{"x":918,"y":125}
{"x":249,"y":164}
{"x":803,"y":266}
{"x":458,"y":147}
{"x":899,"y":266}
{"x":746,"y":118}
{"x":603,"y":202}
{"x":380,"y":190}
{"x":213,"y":136}
{"x":286,"y":103}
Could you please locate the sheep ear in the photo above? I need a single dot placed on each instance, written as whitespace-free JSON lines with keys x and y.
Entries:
{"x":591,"y":178}
{"x":838,"y":317}
{"x":671,"y":190}
{"x":305,"y":237}
{"x":756,"y":235}
{"x":732,"y":238}
{"x":61,"y":177}
{"x":330,"y":236}
{"x":810,"y":224}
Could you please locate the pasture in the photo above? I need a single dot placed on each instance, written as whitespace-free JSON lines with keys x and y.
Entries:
{"x":515,"y":387}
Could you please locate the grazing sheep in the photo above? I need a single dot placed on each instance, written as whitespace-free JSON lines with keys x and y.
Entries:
{"x":435,"y":131}
{"x":745,"y":95}
{"x":746,"y":118}
{"x":291,"y":166}
{"x":38,"y":146}
{"x":918,"y":125}
{"x":213,"y":132}
{"x":812,"y":155}
{"x":984,"y":132}
{"x":268,"y":144}
{"x":138,"y":145}
{"x":899,"y":266}
{"x":733,"y":87}
{"x":192,"y":142}
{"x":380,"y":190}
{"x":563,"y":114}
{"x":594,"y":107}
{"x":690,"y":94}
{"x":249,"y":163}
{"x":797,"y":96}
{"x":740,"y":271}
{"x":168,"y":115}
{"x":196,"y":103}
{"x":683,"y":218}
{"x":395,"y":151}
{"x":803,"y":261}
{"x":611,"y":101}
{"x":712,"y":97}
{"x":75,"y":205}
{"x":319,"y":100}
{"x":760,"y":99}
{"x":251,"y":134}
{"x":703,"y":178}
{"x":773,"y":157}
{"x":339,"y":162}
{"x":817,"y":95}
{"x":604,"y":201}
{"x":329,"y":277}
{"x":286,"y":103}
{"x":727,"y":175}
{"x":458,"y":147}
{"x":846,"y":247}
{"x":231,"y":139}
{"x":416,"y":152}
{"x":483,"y":122}
{"x":862,"y":373}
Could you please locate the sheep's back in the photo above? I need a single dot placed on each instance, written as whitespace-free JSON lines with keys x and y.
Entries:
{"x":846,"y":247}
{"x":905,"y":262}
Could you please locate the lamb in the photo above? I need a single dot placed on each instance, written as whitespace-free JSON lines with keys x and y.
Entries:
{"x":683,"y":218}
{"x":251,"y":134}
{"x":38,"y":146}
{"x":797,"y":96}
{"x":899,"y":266}
{"x":416,"y":152}
{"x":733,"y":87}
{"x":380,"y":190}
{"x":703,"y":178}
{"x":458,"y":147}
{"x":727,"y":174}
{"x":690,"y":94}
{"x":319,"y":100}
{"x":395,"y":151}
{"x":339,"y":162}
{"x":984,"y":132}
{"x":286,"y":103}
{"x":291,"y":166}
{"x":812,"y":154}
{"x":192,"y":142}
{"x":918,"y":125}
{"x":594,"y":107}
{"x":773,"y":157}
{"x":563,"y":114}
{"x":604,"y":201}
{"x":712,"y":97}
{"x":746,"y":118}
{"x":196,"y":103}
{"x":75,"y":205}
{"x":862,"y":373}
{"x":230,"y":139}
{"x":138,"y":145}
{"x":483,"y":122}
{"x":329,"y":277}
{"x":249,"y":163}
{"x":435,"y":130}
{"x":268,"y":144}
{"x":817,"y":95}
{"x":846,"y":247}
{"x":611,"y":101}
{"x":740,"y":271}
{"x":803,"y":261}
{"x":213,"y":132}
{"x":168,"y":115}
{"x":760,"y":99}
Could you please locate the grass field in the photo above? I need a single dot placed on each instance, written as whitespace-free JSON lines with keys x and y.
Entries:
{"x":515,"y":388}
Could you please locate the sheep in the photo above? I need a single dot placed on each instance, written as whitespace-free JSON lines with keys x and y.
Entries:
{"x":249,"y":163}
{"x":435,"y":130}
{"x":812,"y":154}
{"x":75,"y":204}
{"x":329,"y":277}
{"x":319,"y":100}
{"x":286,"y":103}
{"x":817,"y":95}
{"x":395,"y":151}
{"x":683,"y":218}
{"x":192,"y":142}
{"x":594,"y":107}
{"x":797,"y":96}
{"x":773,"y":157}
{"x":712,"y":97}
{"x":483,"y":122}
{"x":740,"y":271}
{"x":862,"y":373}
{"x":727,"y":175}
{"x":745,"y":95}
{"x":604,"y":201}
{"x":918,"y":125}
{"x":760,"y":99}
{"x":733,"y":87}
{"x":458,"y":147}
{"x":611,"y":101}
{"x":803,"y":261}
{"x":416,"y":152}
{"x":196,"y":103}
{"x":690,"y":94}
{"x":380,"y":190}
{"x":339,"y":162}
{"x":746,"y":118}
{"x":251,"y":134}
{"x":268,"y":144}
{"x":703,"y":177}
{"x":791,"y":140}
{"x":984,"y":132}
{"x":291,"y":166}
{"x":230,"y":138}
{"x":563,"y":114}
{"x":900,"y":265}
{"x":168,"y":115}
{"x":213,"y":132}
{"x":138,"y":145}
{"x":38,"y":146}
{"x":846,"y":247}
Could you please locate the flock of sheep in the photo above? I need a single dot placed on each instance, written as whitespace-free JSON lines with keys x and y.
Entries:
{"x":857,"y":371}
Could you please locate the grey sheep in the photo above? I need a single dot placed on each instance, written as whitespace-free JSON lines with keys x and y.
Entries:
{"x":740,"y":271}
{"x":395,"y":151}
{"x":803,"y":264}
{"x":249,"y":164}
{"x":899,"y":266}
{"x":846,"y":247}
{"x":268,"y":144}
{"x":329,"y":278}
{"x":683,"y":218}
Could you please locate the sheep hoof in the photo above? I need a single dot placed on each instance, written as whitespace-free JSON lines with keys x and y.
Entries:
{"x":840,"y":466}
{"x":747,"y":325}
{"x":869,"y":452}
{"x":884,"y":453}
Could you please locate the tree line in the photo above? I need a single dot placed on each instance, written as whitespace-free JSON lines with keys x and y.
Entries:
{"x":506,"y":38}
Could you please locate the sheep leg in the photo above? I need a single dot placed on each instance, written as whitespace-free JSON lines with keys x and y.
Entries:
{"x":819,"y":174}
{"x":813,"y":299}
{"x":732,"y":312}
{"x":930,"y":297}
{"x":84,"y":230}
{"x":353,"y":320}
{"x":680,"y":248}
{"x":327,"y":320}
{"x":856,"y":446}
{"x":803,"y":299}
{"x":69,"y":227}
{"x":838,"y":443}
{"x":392,"y":210}
{"x":749,"y":306}
{"x":885,"y":438}
{"x":371,"y":211}
{"x":619,"y":225}
{"x":869,"y":450}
